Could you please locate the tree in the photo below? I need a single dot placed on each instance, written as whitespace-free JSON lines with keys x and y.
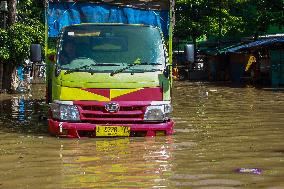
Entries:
{"x":4,"y":47}
{"x":23,"y":29}
{"x":261,"y":14}
{"x":226,"y":18}
{"x":206,"y":19}
{"x":12,"y":11}
{"x":23,"y":36}
{"x":4,"y":53}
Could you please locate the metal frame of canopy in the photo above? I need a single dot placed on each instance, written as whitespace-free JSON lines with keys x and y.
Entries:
{"x":141,"y":4}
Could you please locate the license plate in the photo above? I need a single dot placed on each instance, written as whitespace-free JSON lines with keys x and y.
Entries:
{"x":112,"y":131}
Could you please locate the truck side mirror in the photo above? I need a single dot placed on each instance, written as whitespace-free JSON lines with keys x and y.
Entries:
{"x":189,"y":53}
{"x":35,"y":53}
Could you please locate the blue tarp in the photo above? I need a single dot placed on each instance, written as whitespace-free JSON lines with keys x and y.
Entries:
{"x":262,"y":42}
{"x":20,"y":72}
{"x":65,"y":14}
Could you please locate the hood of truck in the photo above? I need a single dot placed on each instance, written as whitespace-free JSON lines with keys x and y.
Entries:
{"x":150,"y":86}
{"x":104,"y":80}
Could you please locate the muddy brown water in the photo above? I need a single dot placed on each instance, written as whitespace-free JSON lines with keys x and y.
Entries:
{"x":218,"y":130}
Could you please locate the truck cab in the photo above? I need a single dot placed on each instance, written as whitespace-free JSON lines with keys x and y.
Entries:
{"x":111,"y":77}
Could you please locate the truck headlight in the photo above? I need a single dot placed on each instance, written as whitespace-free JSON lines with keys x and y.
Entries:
{"x":65,"y":112}
{"x":158,"y":112}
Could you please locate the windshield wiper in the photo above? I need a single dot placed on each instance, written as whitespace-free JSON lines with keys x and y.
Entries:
{"x":80,"y":69}
{"x":86,"y":68}
{"x":132,"y":65}
{"x":105,"y":64}
{"x":150,"y":63}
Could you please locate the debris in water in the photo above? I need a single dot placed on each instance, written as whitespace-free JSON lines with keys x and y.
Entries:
{"x":249,"y":170}
{"x":213,"y":90}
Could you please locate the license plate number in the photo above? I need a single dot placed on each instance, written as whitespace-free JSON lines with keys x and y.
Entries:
{"x":112,"y":131}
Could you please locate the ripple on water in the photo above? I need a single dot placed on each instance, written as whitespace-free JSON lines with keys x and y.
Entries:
{"x":217,"y":130}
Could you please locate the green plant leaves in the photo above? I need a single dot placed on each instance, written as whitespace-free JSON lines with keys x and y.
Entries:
{"x":16,"y":39}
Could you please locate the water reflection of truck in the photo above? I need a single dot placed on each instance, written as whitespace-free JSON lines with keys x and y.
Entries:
{"x":115,"y":80}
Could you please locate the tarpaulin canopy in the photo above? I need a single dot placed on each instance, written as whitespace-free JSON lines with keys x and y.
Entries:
{"x":142,"y":4}
{"x":258,"y":43}
{"x":61,"y":14}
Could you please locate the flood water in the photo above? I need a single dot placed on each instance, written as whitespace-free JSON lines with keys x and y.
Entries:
{"x":218,"y":130}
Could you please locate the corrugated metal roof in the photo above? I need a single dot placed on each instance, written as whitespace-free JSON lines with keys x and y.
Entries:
{"x":222,"y":50}
{"x":258,"y":43}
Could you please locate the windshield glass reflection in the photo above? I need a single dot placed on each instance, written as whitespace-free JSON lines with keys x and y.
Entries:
{"x":107,"y":48}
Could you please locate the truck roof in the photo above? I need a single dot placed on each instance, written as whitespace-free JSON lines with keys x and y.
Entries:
{"x":141,"y":4}
{"x":110,"y":24}
{"x":62,"y":13}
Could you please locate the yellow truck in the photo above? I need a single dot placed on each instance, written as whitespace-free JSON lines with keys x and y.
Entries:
{"x":109,"y":68}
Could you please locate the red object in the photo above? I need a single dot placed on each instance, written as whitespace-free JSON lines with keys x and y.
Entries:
{"x":130,"y":112}
{"x":145,"y":94}
{"x":102,"y":92}
{"x":93,"y":113}
{"x":74,"y":129}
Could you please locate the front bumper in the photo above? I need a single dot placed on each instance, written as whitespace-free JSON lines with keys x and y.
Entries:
{"x":78,"y":130}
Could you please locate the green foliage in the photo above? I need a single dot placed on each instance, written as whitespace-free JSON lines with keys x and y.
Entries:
{"x":23,"y":36}
{"x":260,"y":14}
{"x":210,"y":18}
{"x":4,"y":47}
{"x":226,"y":18}
{"x":51,"y":51}
{"x":16,"y":40}
{"x":30,"y":9}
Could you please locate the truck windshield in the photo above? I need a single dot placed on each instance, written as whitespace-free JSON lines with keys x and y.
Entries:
{"x":108,"y":47}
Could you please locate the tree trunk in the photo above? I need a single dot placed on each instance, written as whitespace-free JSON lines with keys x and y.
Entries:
{"x":1,"y":77}
{"x":12,"y":12}
{"x":8,"y":66}
{"x":7,"y":79}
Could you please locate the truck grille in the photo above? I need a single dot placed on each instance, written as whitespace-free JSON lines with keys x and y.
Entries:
{"x":98,"y":113}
